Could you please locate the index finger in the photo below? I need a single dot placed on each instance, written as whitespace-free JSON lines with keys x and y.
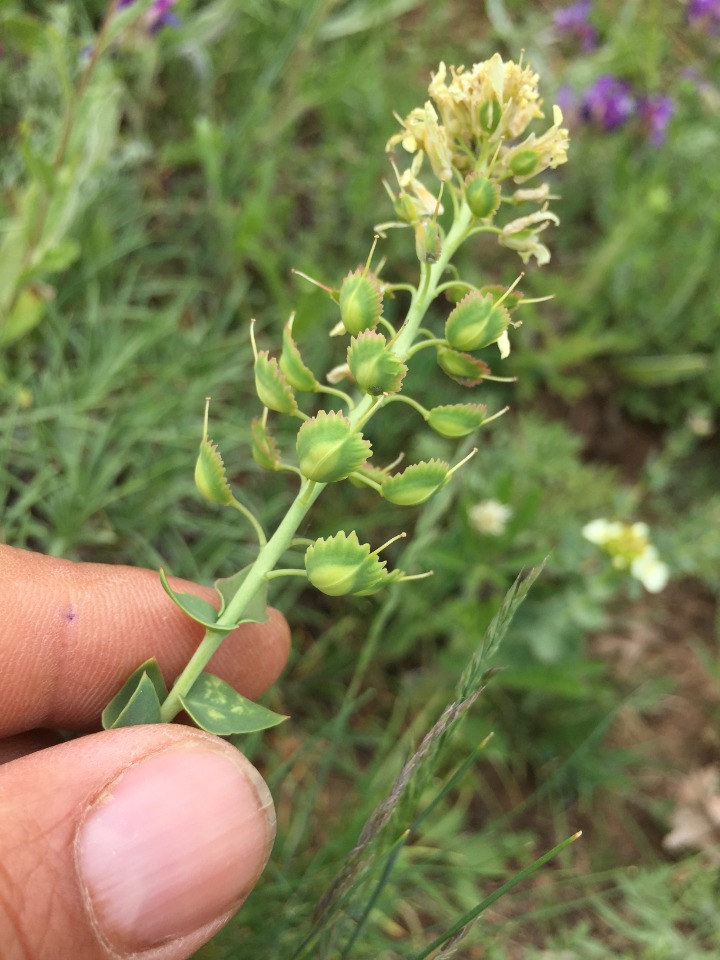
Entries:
{"x":71,"y":633}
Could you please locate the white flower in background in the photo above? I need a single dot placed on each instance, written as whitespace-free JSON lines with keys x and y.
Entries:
{"x":649,"y":569}
{"x":629,"y":547}
{"x":490,"y":517}
{"x":700,"y":423}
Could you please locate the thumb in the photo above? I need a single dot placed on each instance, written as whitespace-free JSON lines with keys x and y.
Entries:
{"x":125,"y":841}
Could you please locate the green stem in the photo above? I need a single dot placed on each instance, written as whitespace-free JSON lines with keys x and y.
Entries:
{"x":265,"y":562}
{"x":427,"y":291}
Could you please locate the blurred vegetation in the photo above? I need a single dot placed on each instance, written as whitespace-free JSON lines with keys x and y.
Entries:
{"x":151,"y":205}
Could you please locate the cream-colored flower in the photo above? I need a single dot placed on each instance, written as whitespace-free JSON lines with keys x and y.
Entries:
{"x":649,"y":569}
{"x":629,"y":547}
{"x":538,"y":153}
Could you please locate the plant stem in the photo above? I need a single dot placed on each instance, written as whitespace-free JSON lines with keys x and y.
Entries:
{"x":266,"y":560}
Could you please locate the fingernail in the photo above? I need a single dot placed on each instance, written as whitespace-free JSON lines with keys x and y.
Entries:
{"x":175,"y":842}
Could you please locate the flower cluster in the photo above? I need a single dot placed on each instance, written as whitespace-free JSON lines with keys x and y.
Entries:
{"x":630,"y":548}
{"x":474,"y":119}
{"x":474,"y":133}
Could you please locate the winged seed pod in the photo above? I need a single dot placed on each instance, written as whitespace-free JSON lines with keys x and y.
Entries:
{"x":476,"y":322}
{"x":329,"y":448}
{"x":298,"y":375}
{"x":360,"y":301}
{"x":457,"y":419}
{"x":374,"y":367}
{"x":271,"y":386}
{"x":463,"y":368}
{"x":264,"y":449}
{"x":341,"y":565}
{"x":417,"y":483}
{"x":210,"y":476}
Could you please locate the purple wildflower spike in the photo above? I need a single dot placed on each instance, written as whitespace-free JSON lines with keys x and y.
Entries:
{"x":656,"y":112}
{"x":609,"y":102}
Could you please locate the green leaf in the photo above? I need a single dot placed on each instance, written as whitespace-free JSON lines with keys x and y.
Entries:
{"x":195,"y":607}
{"x":26,"y":313}
{"x":256,"y":609}
{"x":138,"y":700}
{"x":59,"y":257}
{"x":217,"y":708}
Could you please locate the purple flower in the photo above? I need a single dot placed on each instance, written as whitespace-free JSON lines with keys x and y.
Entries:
{"x":609,"y":102}
{"x":704,"y":10}
{"x":573,"y":21}
{"x":656,"y":112}
{"x":159,"y":15}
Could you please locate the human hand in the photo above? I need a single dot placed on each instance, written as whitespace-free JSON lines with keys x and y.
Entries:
{"x":142,"y":840}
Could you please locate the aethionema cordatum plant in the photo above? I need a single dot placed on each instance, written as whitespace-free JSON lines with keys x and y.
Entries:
{"x":471,"y":145}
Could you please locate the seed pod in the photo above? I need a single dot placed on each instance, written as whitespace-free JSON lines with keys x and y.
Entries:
{"x":341,"y":565}
{"x":489,"y":115}
{"x":463,"y":368}
{"x":360,"y":301}
{"x":476,"y":322}
{"x":271,"y":386}
{"x":457,"y":419}
{"x":428,"y":241}
{"x":524,"y":162}
{"x":374,"y":367}
{"x":210,"y":476}
{"x":482,"y":195}
{"x":264,"y":449}
{"x":299,"y":376}
{"x":416,"y":484}
{"x":329,"y":449}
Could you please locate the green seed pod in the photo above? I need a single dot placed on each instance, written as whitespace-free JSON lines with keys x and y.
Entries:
{"x":524,"y":162}
{"x":476,"y":322}
{"x":482,"y":195}
{"x":271,"y":386}
{"x":489,"y":115}
{"x":428,"y":241}
{"x":329,"y":449}
{"x":455,"y":292}
{"x":416,"y":484}
{"x":457,"y":419}
{"x":341,"y":565}
{"x":210,"y":476}
{"x":375,"y":369}
{"x":299,"y":376}
{"x":463,"y":368}
{"x":360,"y":301}
{"x":264,"y":449}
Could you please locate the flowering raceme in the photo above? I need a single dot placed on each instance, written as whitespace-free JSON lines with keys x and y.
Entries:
{"x":474,"y":133}
{"x":476,"y":115}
